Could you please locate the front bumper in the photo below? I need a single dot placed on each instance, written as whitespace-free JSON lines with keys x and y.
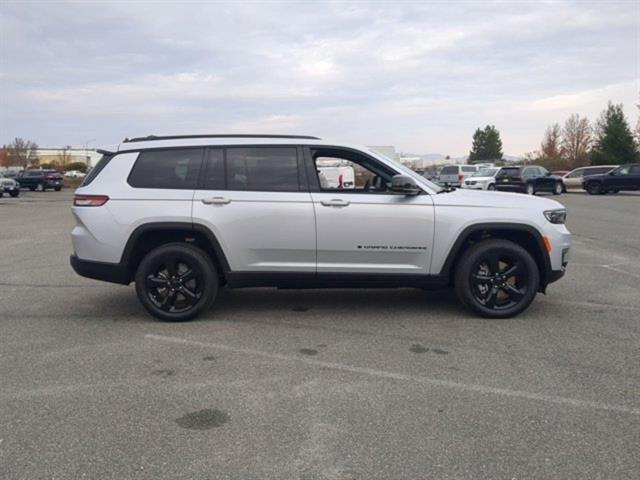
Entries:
{"x":107,"y":272}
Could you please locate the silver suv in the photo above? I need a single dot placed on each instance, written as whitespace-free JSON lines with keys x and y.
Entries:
{"x":182,"y":216}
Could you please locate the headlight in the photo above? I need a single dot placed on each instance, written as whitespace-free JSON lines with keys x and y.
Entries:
{"x":556,"y":216}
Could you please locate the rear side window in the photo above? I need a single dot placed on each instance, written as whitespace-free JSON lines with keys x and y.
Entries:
{"x":449,"y":171}
{"x":635,"y":169}
{"x":271,"y":169}
{"x":167,"y":169}
{"x":96,"y":170}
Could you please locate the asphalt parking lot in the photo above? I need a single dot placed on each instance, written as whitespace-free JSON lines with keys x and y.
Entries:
{"x":319,"y":384}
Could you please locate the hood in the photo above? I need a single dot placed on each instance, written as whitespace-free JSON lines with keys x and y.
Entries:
{"x":481,"y":198}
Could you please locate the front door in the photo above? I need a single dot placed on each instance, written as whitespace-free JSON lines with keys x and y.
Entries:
{"x":362,"y":227}
{"x":256,"y":203}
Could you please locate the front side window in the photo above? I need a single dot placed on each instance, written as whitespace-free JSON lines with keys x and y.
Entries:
{"x":349,"y":172}
{"x":168,"y":169}
{"x":624,"y":170}
{"x":269,"y":169}
{"x":576,"y":174}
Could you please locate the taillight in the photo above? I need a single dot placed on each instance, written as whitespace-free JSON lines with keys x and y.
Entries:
{"x":89,"y":200}
{"x":460,"y":177}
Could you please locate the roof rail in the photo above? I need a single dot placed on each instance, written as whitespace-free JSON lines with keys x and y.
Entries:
{"x":233,"y":135}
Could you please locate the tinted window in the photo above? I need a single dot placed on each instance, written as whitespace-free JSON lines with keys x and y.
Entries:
{"x":635,"y":169}
{"x":175,"y":168}
{"x":449,"y":171}
{"x":510,"y":172}
{"x":271,"y":169}
{"x":214,"y":170}
{"x":93,"y":173}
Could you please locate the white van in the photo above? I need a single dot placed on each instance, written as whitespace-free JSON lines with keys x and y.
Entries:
{"x":337,"y":177}
{"x":454,"y":175}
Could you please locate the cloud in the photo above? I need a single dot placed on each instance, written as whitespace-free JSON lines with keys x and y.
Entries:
{"x":422,"y":76}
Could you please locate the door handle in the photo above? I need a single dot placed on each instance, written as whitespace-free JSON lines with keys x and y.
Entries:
{"x":335,"y":202}
{"x":216,"y":201}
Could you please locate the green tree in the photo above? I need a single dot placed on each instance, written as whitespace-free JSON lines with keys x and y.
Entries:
{"x":614,"y":141}
{"x":486,"y":145}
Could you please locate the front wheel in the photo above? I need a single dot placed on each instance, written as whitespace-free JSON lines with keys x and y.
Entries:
{"x":176,"y":282}
{"x":57,"y":189}
{"x":496,"y":279}
{"x":530,"y":189}
{"x":40,"y":188}
{"x":491,"y":187}
{"x":557,"y":189}
{"x":14,"y":193}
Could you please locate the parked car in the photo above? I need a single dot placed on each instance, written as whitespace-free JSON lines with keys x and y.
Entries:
{"x":337,"y":177}
{"x":454,"y":175}
{"x":624,"y":177}
{"x":529,"y":179}
{"x":41,"y":180}
{"x":483,"y":179}
{"x":182,"y":216}
{"x":573,"y":180}
{"x":8,"y":185}
{"x":74,"y":174}
{"x":560,"y":173}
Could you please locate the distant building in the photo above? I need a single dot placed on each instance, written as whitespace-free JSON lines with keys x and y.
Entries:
{"x":55,"y":155}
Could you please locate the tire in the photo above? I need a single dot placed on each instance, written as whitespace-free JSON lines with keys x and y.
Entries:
{"x":33,"y":189}
{"x":40,"y":187}
{"x":614,"y":190}
{"x":491,"y":187}
{"x":499,"y":296}
{"x":594,"y":188}
{"x":529,"y":189}
{"x":557,"y":188}
{"x":164,"y":295}
{"x":57,"y":189}
{"x":15,"y":193}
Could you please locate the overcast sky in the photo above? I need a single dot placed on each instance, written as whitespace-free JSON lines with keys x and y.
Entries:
{"x":418,"y":75}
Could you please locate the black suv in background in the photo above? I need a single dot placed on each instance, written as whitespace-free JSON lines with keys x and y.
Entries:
{"x":40,"y":180}
{"x":528,"y":179}
{"x":625,"y":177}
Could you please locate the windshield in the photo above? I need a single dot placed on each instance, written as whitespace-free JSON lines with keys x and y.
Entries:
{"x":486,"y":172}
{"x":406,"y":170}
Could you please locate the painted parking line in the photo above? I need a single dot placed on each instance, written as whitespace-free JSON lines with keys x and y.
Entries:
{"x":465,"y":387}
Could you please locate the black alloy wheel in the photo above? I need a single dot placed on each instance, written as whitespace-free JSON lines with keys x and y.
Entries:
{"x":497,"y":278}
{"x":594,"y":188}
{"x":176,"y":282}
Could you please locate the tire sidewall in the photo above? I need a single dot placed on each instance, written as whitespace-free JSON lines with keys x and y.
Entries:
{"x":193,"y":254}
{"x":557,"y":189}
{"x":473,"y":255}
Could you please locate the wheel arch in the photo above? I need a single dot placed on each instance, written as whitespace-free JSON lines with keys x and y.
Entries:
{"x":148,"y":236}
{"x":524,"y":235}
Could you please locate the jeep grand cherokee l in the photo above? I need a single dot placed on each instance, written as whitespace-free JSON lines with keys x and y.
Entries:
{"x":182,"y":216}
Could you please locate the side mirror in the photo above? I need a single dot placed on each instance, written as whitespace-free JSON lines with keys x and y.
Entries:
{"x":404,"y":185}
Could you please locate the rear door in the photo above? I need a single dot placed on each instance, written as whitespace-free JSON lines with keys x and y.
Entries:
{"x":256,"y":202}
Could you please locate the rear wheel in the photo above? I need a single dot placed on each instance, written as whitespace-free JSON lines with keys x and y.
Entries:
{"x":176,"y":282}
{"x":594,"y":188}
{"x":40,"y":187}
{"x":496,"y":279}
{"x":57,"y":189}
{"x":530,"y":189}
{"x":491,"y":187}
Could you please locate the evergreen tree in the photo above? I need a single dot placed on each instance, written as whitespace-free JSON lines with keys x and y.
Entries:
{"x":486,"y":145}
{"x":614,"y":142}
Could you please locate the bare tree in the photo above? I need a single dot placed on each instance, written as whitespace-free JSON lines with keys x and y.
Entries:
{"x":550,"y":146}
{"x":576,"y":141}
{"x":64,"y":156}
{"x":22,"y":152}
